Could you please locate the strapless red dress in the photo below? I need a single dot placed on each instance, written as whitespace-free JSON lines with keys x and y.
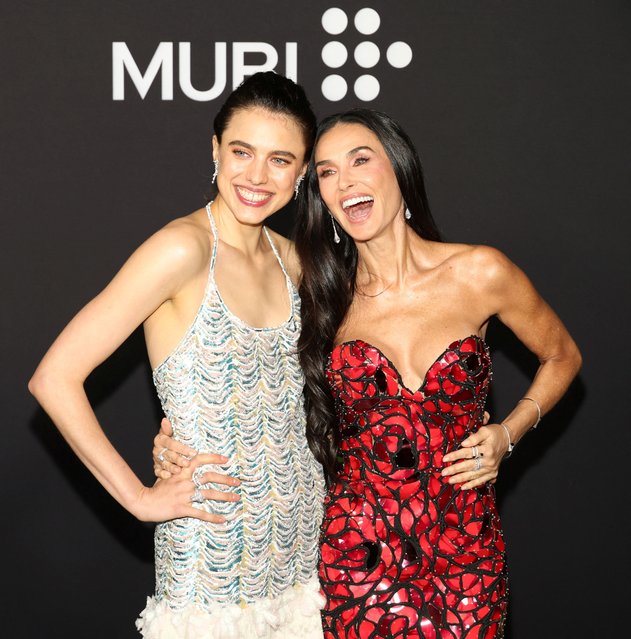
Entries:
{"x":404,"y":553}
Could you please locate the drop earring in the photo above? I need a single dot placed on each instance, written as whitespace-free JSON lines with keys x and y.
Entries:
{"x":407,"y":213}
{"x":297,"y":186}
{"x":216,"y":173}
{"x":336,"y":237}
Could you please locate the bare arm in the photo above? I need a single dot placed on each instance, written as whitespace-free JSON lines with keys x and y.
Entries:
{"x":152,"y":276}
{"x":510,"y":295}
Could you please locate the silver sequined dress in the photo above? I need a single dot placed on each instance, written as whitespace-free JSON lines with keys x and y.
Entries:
{"x":236,"y":390}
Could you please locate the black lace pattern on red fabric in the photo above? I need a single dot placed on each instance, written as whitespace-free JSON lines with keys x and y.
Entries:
{"x":404,"y":553}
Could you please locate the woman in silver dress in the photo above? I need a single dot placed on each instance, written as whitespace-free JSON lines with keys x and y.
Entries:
{"x":215,"y":293}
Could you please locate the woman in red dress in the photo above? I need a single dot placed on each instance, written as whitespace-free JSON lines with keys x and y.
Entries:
{"x":397,"y":373}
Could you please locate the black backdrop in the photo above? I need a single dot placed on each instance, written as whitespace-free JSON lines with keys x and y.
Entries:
{"x":520,"y":112}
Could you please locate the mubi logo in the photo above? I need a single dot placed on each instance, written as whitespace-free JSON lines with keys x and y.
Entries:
{"x":366,"y":54}
{"x":162,"y":64}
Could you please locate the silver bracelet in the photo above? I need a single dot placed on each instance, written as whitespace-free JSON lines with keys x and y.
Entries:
{"x":511,"y":446}
{"x":536,"y":403}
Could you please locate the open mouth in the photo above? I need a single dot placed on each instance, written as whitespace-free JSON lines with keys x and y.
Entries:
{"x":252,"y":198}
{"x":358,"y":208}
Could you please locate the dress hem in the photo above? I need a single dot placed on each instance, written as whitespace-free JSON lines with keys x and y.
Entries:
{"x":295,"y":613}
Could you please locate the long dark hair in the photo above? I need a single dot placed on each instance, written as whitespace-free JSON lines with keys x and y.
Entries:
{"x":330,"y":270}
{"x":276,"y":94}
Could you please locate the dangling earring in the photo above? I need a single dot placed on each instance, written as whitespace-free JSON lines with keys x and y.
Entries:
{"x":297,"y":186}
{"x":407,"y":213}
{"x":216,"y":173}
{"x":336,"y":237}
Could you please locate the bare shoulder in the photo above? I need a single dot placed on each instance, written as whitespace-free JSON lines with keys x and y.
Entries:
{"x":169,"y":259}
{"x":287,"y":250}
{"x":479,"y":265}
{"x":184,"y":242}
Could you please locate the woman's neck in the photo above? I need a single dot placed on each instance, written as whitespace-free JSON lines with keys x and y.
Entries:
{"x":247,"y":238}
{"x":389,"y":260}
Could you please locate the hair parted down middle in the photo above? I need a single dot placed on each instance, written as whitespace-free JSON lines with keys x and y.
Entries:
{"x":330,"y":270}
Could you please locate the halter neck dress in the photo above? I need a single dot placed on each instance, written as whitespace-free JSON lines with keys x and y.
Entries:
{"x":236,"y":390}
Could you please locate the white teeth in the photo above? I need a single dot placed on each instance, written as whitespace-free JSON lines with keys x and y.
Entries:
{"x":251,"y":196}
{"x":356,"y":200}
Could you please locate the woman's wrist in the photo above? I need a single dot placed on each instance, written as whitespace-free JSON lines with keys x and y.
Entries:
{"x":523,"y":418}
{"x":510,"y":444}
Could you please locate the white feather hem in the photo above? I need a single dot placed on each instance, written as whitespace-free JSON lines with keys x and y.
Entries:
{"x":293,"y":615}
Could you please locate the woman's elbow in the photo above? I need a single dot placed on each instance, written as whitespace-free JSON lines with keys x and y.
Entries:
{"x":573,"y":357}
{"x":578,"y":360}
{"x":39,"y":382}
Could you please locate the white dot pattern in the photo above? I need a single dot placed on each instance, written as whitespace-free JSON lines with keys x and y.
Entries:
{"x":366,"y":54}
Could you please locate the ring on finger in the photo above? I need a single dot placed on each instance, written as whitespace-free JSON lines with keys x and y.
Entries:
{"x":478,"y":463}
{"x":475,"y":453}
{"x":161,"y":458}
{"x":197,"y":497}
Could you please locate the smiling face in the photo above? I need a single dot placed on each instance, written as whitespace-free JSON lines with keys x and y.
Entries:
{"x":261,"y":155}
{"x":357,"y":182}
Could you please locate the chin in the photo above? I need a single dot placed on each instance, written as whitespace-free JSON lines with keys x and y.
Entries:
{"x":362,"y":232}
{"x":255,"y":214}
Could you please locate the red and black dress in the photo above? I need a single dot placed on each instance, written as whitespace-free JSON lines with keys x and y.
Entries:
{"x":404,"y":553}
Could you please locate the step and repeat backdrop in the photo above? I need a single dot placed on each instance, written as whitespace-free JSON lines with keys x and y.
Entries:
{"x":519,"y":110}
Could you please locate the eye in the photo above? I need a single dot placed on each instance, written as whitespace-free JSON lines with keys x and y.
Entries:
{"x":280,"y":161}
{"x":240,"y":153}
{"x":325,"y":173}
{"x":360,"y":160}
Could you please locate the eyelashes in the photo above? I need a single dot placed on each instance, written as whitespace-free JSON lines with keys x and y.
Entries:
{"x":277,"y":161}
{"x":357,"y":161}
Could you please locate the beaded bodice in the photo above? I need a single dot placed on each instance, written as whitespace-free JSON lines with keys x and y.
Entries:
{"x":405,"y":553}
{"x":236,"y":390}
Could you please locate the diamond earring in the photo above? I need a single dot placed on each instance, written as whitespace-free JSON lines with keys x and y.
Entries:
{"x":336,"y":237}
{"x":407,"y":213}
{"x":297,"y":186}
{"x":216,"y":173}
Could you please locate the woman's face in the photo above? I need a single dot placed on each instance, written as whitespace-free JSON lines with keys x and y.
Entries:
{"x":260,"y":156}
{"x":357,"y":182}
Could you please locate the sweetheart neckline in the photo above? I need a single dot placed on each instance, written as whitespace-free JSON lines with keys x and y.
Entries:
{"x":403,"y":386}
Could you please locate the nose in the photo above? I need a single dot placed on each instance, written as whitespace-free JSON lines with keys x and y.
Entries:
{"x":345,"y":179}
{"x":257,"y":171}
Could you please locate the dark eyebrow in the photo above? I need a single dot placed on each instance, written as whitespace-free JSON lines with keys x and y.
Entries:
{"x":287,"y":154}
{"x":357,"y":149}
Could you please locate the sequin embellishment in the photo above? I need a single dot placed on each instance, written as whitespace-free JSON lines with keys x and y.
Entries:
{"x":232,"y":389}
{"x":404,"y":553}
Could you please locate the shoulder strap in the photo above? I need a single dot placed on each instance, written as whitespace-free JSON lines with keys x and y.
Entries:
{"x":276,"y":253}
{"x":213,"y":228}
